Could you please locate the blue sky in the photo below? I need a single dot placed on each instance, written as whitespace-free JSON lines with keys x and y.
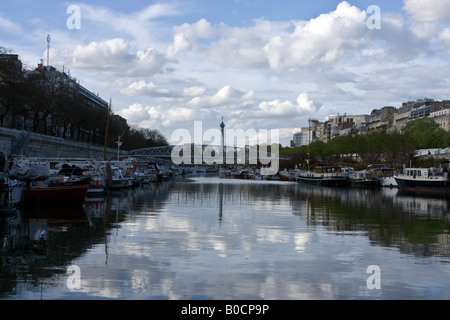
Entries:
{"x":259,"y":64}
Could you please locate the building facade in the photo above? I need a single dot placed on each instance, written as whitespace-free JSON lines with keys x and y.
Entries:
{"x":387,"y":117}
{"x":383,"y":117}
{"x":300,"y":139}
{"x":440,"y":113}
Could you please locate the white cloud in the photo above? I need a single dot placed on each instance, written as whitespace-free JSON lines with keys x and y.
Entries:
{"x":305,"y":103}
{"x":286,"y":109}
{"x":142,"y":88}
{"x":9,"y":26}
{"x":113,"y":57}
{"x":140,"y":25}
{"x":227,"y":96}
{"x":186,"y":35}
{"x":159,"y":116}
{"x":136,"y":113}
{"x":179,"y":115}
{"x":244,"y":47}
{"x":111,"y":54}
{"x":277,"y":45}
{"x":320,"y":41}
{"x":428,"y":11}
{"x":445,"y":37}
{"x":194,"y":91}
{"x":397,"y":42}
{"x":427,"y":16}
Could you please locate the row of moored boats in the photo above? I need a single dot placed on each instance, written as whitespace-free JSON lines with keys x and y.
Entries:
{"x":31,"y":180}
{"x":37,"y":180}
{"x":433,"y":179}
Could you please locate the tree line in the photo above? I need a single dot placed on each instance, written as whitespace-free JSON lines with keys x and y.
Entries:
{"x":391,"y":147}
{"x":49,"y":102}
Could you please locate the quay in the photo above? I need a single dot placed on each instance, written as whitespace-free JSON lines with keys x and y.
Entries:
{"x":14,"y":142}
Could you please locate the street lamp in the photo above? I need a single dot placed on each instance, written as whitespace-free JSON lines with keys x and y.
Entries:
{"x":119,"y":144}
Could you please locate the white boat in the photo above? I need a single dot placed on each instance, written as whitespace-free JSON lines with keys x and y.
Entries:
{"x":388,"y":182}
{"x":424,"y":180}
{"x":118,"y":180}
{"x":327,"y":176}
{"x":386,"y":176}
{"x":143,"y":177}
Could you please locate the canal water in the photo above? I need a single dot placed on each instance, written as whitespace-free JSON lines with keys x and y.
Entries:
{"x":205,"y":238}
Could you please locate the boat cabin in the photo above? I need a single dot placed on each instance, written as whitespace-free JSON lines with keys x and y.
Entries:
{"x":330,"y":169}
{"x":418,"y":172}
{"x":424,"y":173}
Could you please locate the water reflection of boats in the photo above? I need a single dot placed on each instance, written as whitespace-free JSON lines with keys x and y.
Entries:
{"x":10,"y":194}
{"x":57,"y":213}
{"x":429,"y":204}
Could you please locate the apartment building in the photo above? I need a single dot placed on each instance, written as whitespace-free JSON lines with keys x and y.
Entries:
{"x":440,"y":112}
{"x":343,"y":125}
{"x":300,"y":139}
{"x":382,"y":117}
{"x":389,"y":117}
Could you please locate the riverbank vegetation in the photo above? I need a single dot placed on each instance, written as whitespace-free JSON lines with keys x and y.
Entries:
{"x":393,"y":148}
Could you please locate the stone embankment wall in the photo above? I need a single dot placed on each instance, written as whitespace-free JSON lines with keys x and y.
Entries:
{"x":46,"y":146}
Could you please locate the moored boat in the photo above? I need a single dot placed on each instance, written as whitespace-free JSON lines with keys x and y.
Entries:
{"x":289,"y":175}
{"x":244,"y":175}
{"x":424,"y":180}
{"x":98,"y":185}
{"x":56,"y":189}
{"x":327,"y":176}
{"x":386,"y":177}
{"x":119,"y":181}
{"x":95,"y":172}
{"x":364,"y":178}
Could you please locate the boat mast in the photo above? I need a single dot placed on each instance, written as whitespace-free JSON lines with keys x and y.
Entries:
{"x":106,"y":131}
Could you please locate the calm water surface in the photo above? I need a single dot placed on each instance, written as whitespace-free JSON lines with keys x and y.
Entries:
{"x":210,"y":238}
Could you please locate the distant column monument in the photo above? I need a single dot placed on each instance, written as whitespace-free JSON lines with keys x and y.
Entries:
{"x":222,"y":142}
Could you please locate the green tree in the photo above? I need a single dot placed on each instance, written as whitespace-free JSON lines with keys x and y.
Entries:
{"x":425,"y":133}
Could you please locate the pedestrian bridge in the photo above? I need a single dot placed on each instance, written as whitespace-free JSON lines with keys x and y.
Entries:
{"x":206,"y":154}
{"x":164,"y":152}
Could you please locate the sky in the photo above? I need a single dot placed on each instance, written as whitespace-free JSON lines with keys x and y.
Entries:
{"x":258,"y":64}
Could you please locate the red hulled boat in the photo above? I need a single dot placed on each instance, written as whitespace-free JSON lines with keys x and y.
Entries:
{"x":57,"y":189}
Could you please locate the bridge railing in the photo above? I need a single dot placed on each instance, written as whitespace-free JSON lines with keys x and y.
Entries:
{"x":208,"y":154}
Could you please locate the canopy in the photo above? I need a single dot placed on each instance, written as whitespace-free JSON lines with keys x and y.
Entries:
{"x":31,"y":172}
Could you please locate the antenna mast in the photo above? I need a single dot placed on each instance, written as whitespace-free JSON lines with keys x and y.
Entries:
{"x":48,"y":49}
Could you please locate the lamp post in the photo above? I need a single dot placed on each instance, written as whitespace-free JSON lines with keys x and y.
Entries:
{"x":119,"y":144}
